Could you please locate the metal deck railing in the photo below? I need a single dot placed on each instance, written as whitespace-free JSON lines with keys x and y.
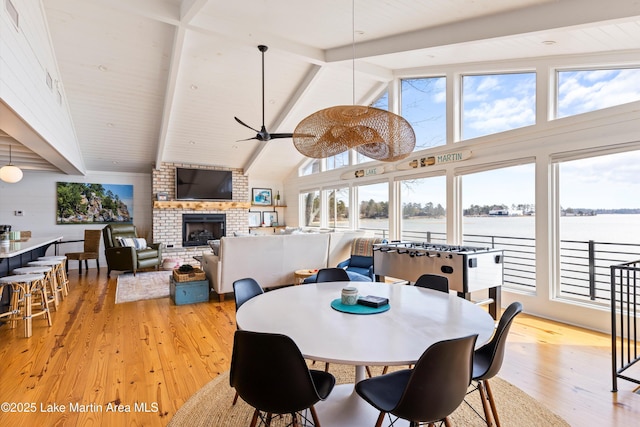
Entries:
{"x":584,"y":265}
{"x":625,"y":301}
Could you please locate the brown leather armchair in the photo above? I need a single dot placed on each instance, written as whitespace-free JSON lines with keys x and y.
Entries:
{"x":128,"y":258}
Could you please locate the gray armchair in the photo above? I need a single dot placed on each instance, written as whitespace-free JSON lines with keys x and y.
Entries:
{"x":120,"y":241}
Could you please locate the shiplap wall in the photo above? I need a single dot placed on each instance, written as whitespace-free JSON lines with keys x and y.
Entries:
{"x":26,"y":57}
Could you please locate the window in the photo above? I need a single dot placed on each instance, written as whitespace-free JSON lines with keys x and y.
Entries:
{"x":423,"y":209}
{"x":310,"y":168}
{"x":338,"y":207}
{"x":373,"y":203}
{"x":338,"y":161}
{"x":497,"y":102}
{"x":581,"y":91}
{"x":499,"y":212}
{"x":599,"y":222}
{"x":424,"y":106}
{"x":311,"y":205}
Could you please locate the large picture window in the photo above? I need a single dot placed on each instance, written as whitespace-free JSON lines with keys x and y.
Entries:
{"x":581,"y":91}
{"x":495,"y":103}
{"x":599,"y":222}
{"x":423,"y":105}
{"x":373,"y":206}
{"x":423,"y":209}
{"x":338,"y":207}
{"x":499,"y":212}
{"x":311,"y":207}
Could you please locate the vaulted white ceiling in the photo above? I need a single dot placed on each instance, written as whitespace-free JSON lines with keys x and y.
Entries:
{"x":151,"y":81}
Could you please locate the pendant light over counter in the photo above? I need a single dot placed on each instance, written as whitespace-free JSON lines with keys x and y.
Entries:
{"x":10,"y":173}
{"x":372,"y":132}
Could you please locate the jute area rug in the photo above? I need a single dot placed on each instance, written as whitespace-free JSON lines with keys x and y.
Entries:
{"x":144,"y":285}
{"x":211,"y":406}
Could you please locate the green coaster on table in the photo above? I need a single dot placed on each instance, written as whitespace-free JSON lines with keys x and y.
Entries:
{"x":337,"y":304}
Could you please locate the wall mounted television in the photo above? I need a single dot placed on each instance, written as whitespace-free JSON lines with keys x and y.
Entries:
{"x":203,"y":184}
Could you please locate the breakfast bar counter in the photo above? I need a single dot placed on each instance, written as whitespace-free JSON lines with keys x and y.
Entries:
{"x":18,"y":253}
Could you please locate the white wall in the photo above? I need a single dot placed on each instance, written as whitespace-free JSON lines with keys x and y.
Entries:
{"x":35,"y":196}
{"x":26,"y":59}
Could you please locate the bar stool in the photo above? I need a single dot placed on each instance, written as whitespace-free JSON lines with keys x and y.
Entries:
{"x":61,"y":271}
{"x":27,"y":285}
{"x":50,"y":278}
{"x":14,"y":310}
{"x":48,"y":283}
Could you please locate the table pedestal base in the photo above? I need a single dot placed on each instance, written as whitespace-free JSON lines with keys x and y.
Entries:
{"x":345,"y":408}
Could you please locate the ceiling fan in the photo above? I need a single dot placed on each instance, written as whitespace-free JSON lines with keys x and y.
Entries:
{"x":263,"y":134}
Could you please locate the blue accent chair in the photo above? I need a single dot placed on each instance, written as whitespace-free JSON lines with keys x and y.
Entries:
{"x":360,"y":266}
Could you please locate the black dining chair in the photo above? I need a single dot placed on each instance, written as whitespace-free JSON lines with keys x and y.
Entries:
{"x":433,"y":281}
{"x":430,"y":391}
{"x":243,"y":291}
{"x":269,"y":373}
{"x":487,"y":361}
{"x":332,"y":275}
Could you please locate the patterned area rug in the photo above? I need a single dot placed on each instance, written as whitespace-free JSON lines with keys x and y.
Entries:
{"x":211,"y":406}
{"x":145,"y":285}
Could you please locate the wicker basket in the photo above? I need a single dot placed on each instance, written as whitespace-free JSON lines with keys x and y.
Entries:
{"x":196,"y":274}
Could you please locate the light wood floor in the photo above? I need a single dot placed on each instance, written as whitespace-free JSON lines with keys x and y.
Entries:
{"x":100,"y":357}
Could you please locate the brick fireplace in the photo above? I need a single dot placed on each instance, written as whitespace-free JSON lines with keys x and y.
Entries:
{"x":198,"y":228}
{"x":167,"y":221}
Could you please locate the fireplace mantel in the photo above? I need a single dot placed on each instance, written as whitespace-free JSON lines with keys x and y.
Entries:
{"x":200,"y":206}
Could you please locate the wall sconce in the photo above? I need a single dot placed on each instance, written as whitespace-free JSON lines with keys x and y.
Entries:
{"x":10,"y":173}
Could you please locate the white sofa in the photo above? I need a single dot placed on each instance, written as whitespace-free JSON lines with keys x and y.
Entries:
{"x":272,"y":260}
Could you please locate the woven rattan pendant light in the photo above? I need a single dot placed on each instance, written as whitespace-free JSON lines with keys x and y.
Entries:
{"x":373,"y":132}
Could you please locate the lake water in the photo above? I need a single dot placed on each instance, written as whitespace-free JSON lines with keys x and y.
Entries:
{"x":615,"y":228}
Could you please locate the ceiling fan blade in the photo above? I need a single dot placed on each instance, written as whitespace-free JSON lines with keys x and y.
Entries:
{"x":248,"y":139}
{"x":281,"y":135}
{"x":245,"y":125}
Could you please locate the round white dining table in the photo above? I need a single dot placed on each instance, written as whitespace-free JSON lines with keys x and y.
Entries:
{"x":417,"y":318}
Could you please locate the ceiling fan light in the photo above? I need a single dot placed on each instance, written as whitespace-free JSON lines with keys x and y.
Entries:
{"x":10,"y":174}
{"x":375,"y":133}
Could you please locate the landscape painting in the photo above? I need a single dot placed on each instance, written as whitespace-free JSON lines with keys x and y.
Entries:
{"x":82,"y":203}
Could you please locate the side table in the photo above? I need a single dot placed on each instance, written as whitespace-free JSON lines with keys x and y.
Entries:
{"x":300,"y":275}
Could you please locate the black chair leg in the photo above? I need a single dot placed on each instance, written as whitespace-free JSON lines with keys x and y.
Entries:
{"x":79,"y":266}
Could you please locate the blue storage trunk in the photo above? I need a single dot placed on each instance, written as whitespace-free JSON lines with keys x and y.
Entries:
{"x":189,"y":292}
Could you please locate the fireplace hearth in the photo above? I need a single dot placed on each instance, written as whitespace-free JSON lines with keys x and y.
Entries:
{"x":198,"y":228}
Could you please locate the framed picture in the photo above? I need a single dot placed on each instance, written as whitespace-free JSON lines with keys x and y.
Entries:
{"x":83,"y":203}
{"x":254,"y":219}
{"x":261,"y":196}
{"x":270,"y":219}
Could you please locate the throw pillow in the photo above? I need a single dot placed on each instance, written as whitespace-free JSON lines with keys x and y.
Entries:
{"x":133,"y":242}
